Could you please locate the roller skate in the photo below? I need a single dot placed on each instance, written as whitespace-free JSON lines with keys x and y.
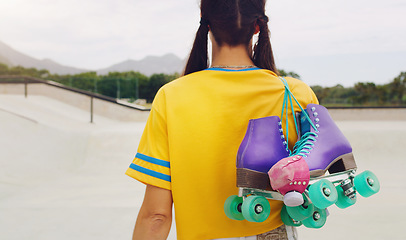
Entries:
{"x":267,"y":169}
{"x":263,"y":145}
{"x":330,"y":151}
{"x":325,"y":149}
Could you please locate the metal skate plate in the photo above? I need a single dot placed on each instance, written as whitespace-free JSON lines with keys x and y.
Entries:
{"x":335,"y":177}
{"x":244,"y":192}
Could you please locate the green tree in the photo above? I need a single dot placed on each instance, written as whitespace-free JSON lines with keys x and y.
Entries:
{"x":123,"y":85}
{"x":3,"y":69}
{"x":135,"y":85}
{"x":109,"y":84}
{"x":366,"y":93}
{"x":18,"y":70}
{"x":397,"y":88}
{"x":138,"y":82}
{"x":382,"y":93}
{"x":283,"y":73}
{"x":86,"y":81}
{"x":156,"y":81}
{"x":321,"y":93}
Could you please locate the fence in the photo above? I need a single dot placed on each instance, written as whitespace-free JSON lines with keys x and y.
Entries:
{"x":110,"y":107}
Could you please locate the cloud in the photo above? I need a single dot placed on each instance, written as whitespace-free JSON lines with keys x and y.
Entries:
{"x":97,"y":33}
{"x":316,"y":27}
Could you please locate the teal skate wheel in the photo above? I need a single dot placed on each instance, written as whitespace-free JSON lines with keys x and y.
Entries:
{"x":344,"y":201}
{"x":323,"y":193}
{"x":288,"y":220}
{"x":256,"y":208}
{"x":317,"y":220}
{"x":366,"y":184}
{"x":232,"y":207}
{"x":301,"y":212}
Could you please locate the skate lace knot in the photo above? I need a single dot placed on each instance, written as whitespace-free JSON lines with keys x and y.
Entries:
{"x":307,"y":140}
{"x":305,"y":144}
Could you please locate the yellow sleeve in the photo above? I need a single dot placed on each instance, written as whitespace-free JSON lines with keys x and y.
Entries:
{"x":151,"y":164}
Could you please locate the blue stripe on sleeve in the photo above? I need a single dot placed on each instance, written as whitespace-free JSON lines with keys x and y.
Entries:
{"x":150,"y":172}
{"x":153,"y":160}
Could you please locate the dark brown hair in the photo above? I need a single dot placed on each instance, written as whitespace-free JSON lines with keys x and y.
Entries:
{"x":232,"y":22}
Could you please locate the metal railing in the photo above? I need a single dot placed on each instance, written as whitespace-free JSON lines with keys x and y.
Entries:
{"x":26,"y":80}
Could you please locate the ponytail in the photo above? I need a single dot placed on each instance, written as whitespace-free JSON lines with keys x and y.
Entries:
{"x":198,"y":59}
{"x":263,"y":55}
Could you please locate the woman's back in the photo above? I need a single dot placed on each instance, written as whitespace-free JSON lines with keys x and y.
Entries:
{"x":187,"y":154}
{"x":206,"y":115}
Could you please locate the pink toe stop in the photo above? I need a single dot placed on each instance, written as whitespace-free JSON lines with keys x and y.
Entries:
{"x":290,"y":174}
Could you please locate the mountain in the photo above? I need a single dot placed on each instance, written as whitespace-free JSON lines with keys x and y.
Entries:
{"x":167,"y":64}
{"x":11,"y":57}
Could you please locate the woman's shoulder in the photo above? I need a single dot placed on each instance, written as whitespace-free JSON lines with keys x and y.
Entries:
{"x":182,"y":79}
{"x":297,"y":85}
{"x":294,"y":82}
{"x":179,"y":86}
{"x":189,"y":82}
{"x":301,"y":90}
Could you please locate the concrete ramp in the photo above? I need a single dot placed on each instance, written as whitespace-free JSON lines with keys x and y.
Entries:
{"x":33,"y":152}
{"x":62,"y":177}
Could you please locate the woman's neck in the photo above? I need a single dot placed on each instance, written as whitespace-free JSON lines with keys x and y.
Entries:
{"x":231,"y":56}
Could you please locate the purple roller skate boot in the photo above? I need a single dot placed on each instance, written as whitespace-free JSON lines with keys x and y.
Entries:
{"x":263,"y":145}
{"x":321,"y":147}
{"x":326,"y":147}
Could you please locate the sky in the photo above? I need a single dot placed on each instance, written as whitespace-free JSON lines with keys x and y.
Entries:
{"x":327,"y":42}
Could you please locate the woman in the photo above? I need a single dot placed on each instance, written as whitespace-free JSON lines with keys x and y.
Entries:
{"x":188,"y":149}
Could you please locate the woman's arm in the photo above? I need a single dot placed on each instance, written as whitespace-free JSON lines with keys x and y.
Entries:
{"x":155,"y":216}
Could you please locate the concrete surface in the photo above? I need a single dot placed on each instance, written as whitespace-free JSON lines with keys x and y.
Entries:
{"x":378,"y":146}
{"x":63,"y":178}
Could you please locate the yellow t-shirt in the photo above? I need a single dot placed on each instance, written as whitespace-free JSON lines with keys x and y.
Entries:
{"x":190,"y":144}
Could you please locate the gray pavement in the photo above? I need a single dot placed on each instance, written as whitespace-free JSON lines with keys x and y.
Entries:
{"x":63,"y":178}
